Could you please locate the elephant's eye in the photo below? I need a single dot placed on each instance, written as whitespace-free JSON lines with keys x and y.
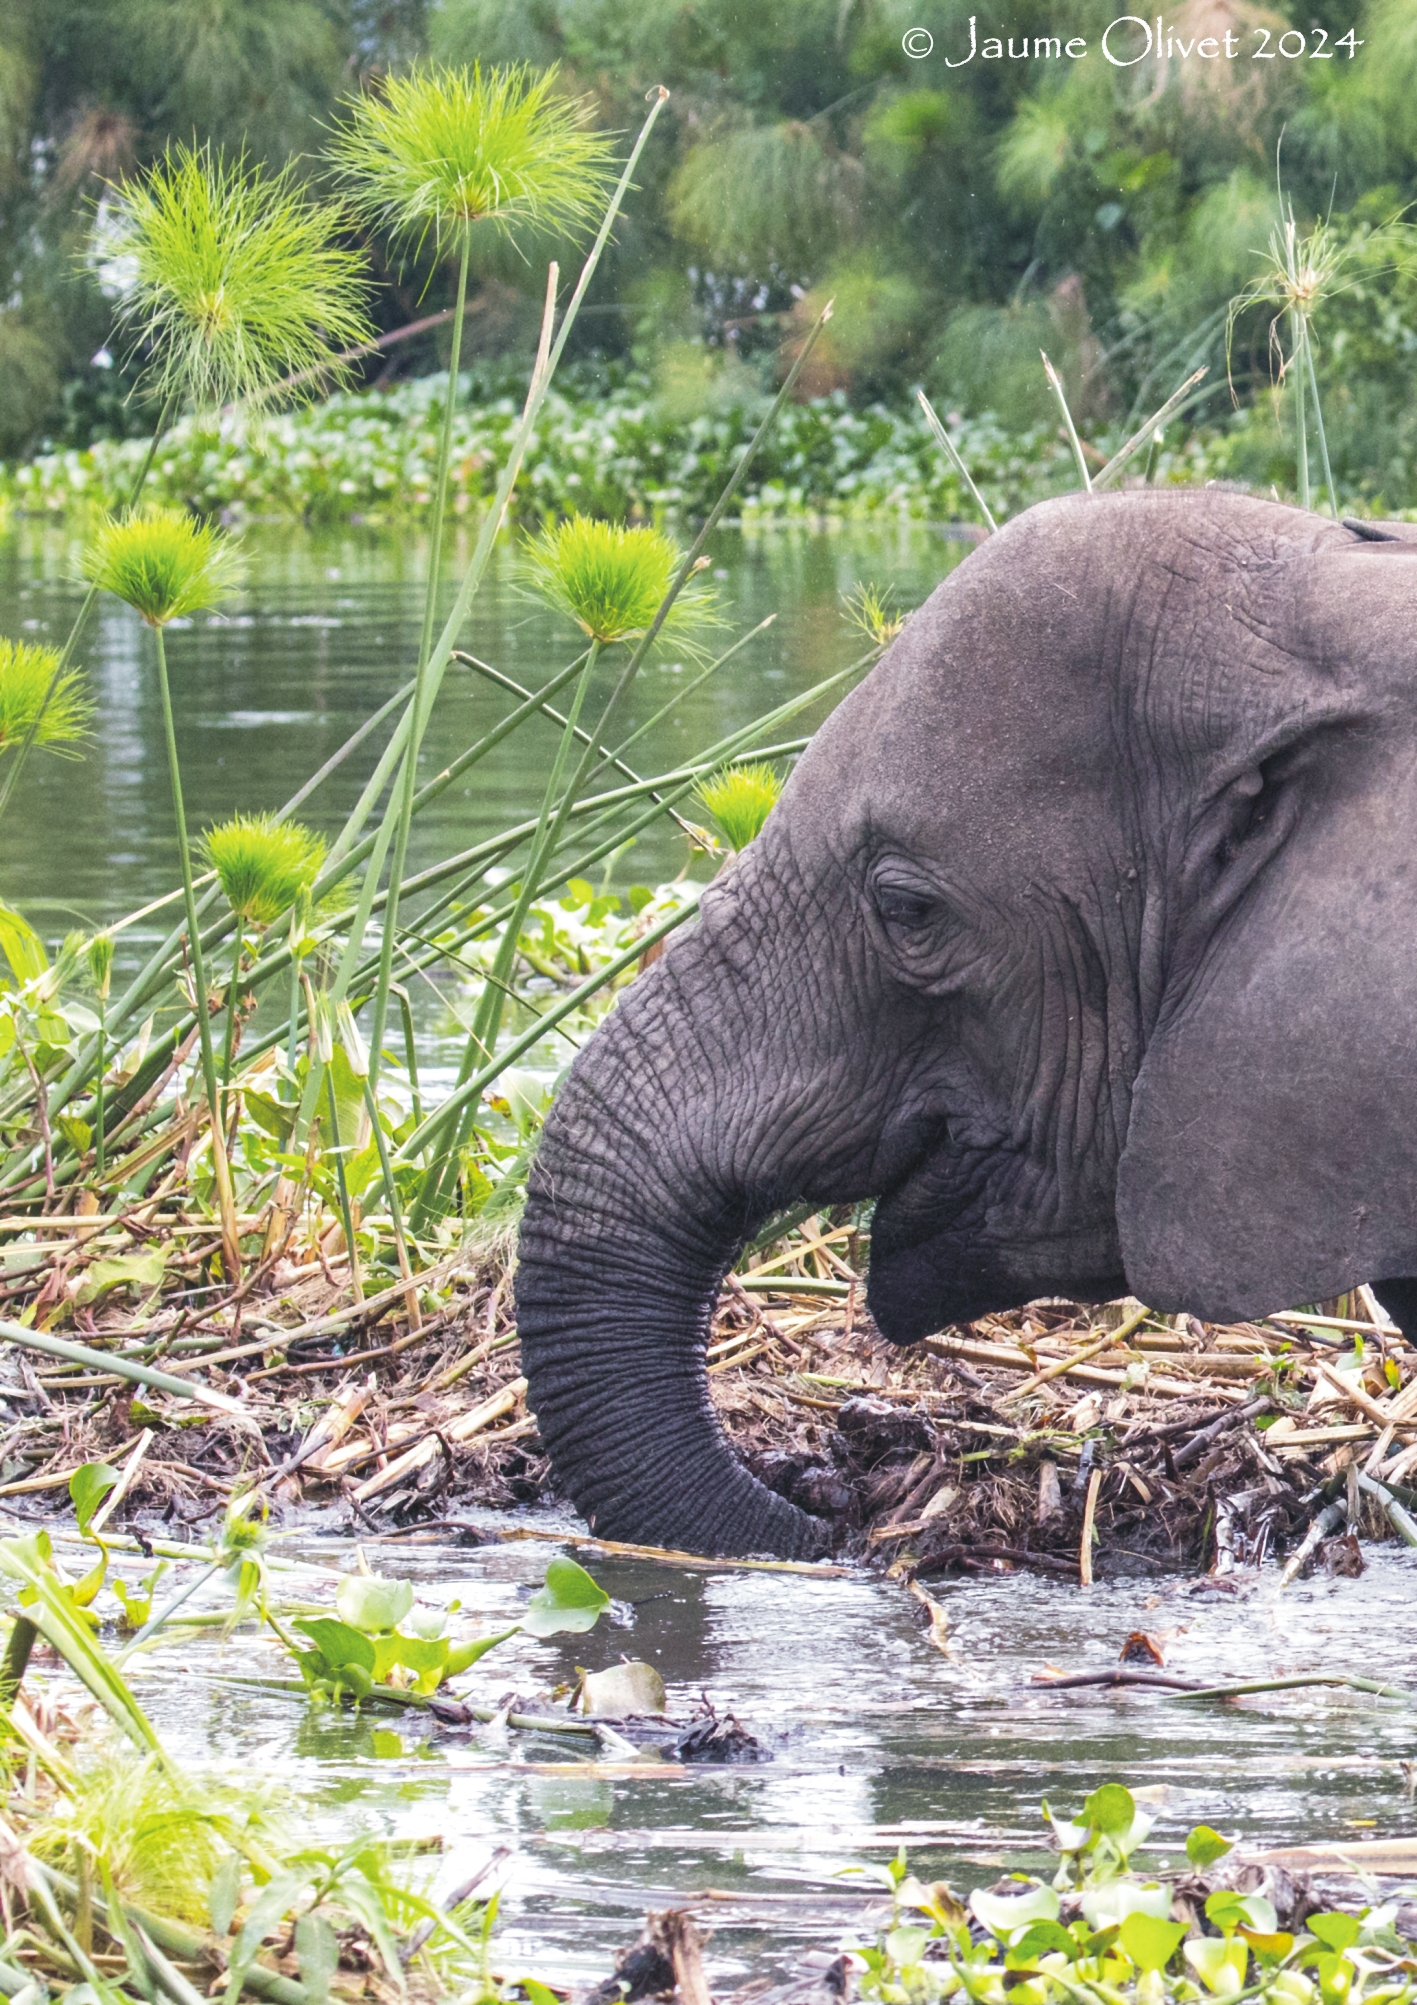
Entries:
{"x":904,"y":908}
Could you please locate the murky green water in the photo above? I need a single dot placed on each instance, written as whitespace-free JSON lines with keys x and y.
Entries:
{"x":324,"y":630}
{"x":877,"y":1739}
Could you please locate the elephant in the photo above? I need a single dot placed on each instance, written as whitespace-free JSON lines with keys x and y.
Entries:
{"x":1083,"y":939}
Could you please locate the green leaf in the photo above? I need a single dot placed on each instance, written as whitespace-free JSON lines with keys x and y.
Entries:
{"x":1110,"y":1810}
{"x":271,"y":1905}
{"x":1334,"y":1929}
{"x":317,"y":1948}
{"x":906,"y":1945}
{"x":224,"y":1895}
{"x":1270,"y":1946}
{"x":49,"y":1604}
{"x":78,"y":1134}
{"x":1040,"y":1938}
{"x":1003,"y":1914}
{"x":462,"y":1655}
{"x":143,"y":1271}
{"x":370,"y":1603}
{"x":21,"y":946}
{"x":1229,"y":1911}
{"x":1149,"y":1941}
{"x":337,"y":1643}
{"x":1204,"y":1847}
{"x":570,"y":1601}
{"x":88,"y":1486}
{"x":1107,"y":1905}
{"x":274,"y":1116}
{"x":1220,"y":1962}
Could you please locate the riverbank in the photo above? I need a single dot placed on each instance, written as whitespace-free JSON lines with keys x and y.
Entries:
{"x":608,"y":447}
{"x":1077,"y":1441}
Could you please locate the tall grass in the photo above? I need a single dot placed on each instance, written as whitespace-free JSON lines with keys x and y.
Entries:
{"x":321,"y":936}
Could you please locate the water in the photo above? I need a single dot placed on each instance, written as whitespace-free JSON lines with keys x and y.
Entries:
{"x":877,"y":1739}
{"x":323,"y":631}
{"x":876,"y":1736}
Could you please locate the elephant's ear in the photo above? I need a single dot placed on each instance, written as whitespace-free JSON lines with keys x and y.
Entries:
{"x":1271,"y":1153}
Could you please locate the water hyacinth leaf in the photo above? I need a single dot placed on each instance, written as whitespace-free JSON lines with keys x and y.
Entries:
{"x":426,"y":1656}
{"x":1220,"y":1962}
{"x":1204,"y":1846}
{"x":1270,"y":1946}
{"x":1111,"y":1810}
{"x":1068,"y":1837}
{"x":369,"y":1603}
{"x":631,"y":1687}
{"x":463,"y":1655}
{"x":1149,"y":1939}
{"x":1107,"y":1905}
{"x":906,"y":1945}
{"x":338,"y":1645}
{"x":569,"y":1602}
{"x":1229,"y":1911}
{"x":1004,"y":1914}
{"x":1337,"y":1931}
{"x":88,"y":1486}
{"x":1040,"y":1938}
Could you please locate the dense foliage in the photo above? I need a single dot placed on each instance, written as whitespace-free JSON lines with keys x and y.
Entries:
{"x":962,"y":216}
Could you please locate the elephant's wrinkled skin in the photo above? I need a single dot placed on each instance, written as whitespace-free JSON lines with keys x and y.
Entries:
{"x":1084,"y":937}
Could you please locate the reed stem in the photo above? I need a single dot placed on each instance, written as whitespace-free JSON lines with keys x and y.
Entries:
{"x":231,"y":1245}
{"x":421,"y":702}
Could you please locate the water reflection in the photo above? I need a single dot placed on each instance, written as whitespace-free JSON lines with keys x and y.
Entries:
{"x":325,"y":629}
{"x":877,"y":1739}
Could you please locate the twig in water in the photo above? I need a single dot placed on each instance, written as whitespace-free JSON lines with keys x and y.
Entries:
{"x":1328,"y":1520}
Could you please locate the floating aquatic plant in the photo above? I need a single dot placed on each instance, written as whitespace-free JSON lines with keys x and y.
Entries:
{"x":740,"y":799}
{"x":263,"y":863}
{"x":162,"y":564}
{"x":38,"y":694}
{"x":436,"y":149}
{"x":611,"y":579}
{"x":236,"y":282}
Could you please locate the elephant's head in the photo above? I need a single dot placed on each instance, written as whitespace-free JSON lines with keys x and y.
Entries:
{"x":1084,"y":938}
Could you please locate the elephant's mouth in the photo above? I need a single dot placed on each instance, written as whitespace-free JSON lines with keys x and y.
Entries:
{"x":923,"y":1280}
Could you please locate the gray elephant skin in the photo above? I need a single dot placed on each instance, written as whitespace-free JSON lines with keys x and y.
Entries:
{"x":1083,"y":939}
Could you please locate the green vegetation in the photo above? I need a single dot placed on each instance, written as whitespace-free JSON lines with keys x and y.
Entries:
{"x":127,"y":1875}
{"x":962,"y":213}
{"x":1103,"y":1931}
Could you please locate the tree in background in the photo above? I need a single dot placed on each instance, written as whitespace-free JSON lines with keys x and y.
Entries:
{"x":963,"y":217}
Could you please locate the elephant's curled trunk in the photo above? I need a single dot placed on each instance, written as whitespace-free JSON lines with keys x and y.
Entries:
{"x":625,"y":1239}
